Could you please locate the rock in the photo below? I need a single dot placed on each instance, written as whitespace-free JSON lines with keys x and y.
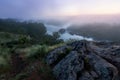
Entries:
{"x":78,"y":45}
{"x":68,"y":68}
{"x":84,"y":60}
{"x":62,"y":31}
{"x":93,"y":74}
{"x":105,"y":70}
{"x":110,"y":54}
{"x":86,"y":76}
{"x":55,"y":56}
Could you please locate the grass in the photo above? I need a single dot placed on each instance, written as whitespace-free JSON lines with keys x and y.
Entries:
{"x":7,"y":37}
{"x":37,"y":51}
{"x":4,"y":65}
{"x":4,"y":60}
{"x":31,"y":54}
{"x":20,"y":76}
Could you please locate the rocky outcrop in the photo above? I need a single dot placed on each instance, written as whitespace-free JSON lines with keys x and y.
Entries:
{"x":83,"y":60}
{"x":68,"y":68}
{"x":58,"y":54}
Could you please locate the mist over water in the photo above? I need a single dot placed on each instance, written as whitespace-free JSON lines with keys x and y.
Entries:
{"x":54,"y":28}
{"x":65,"y":36}
{"x":103,"y":28}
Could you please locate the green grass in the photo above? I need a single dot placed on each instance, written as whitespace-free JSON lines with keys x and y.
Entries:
{"x":4,"y":65}
{"x":37,"y":51}
{"x":4,"y":59}
{"x":20,"y":76}
{"x":7,"y":37}
{"x":30,"y":54}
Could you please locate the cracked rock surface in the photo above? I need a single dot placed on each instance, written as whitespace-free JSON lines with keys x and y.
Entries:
{"x":83,"y":60}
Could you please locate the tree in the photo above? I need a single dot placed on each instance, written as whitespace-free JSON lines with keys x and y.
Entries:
{"x":56,"y":35}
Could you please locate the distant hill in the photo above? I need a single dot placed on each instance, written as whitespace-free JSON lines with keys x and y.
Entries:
{"x":97,"y":31}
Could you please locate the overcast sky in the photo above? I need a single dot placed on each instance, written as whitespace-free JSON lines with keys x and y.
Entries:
{"x":37,"y":9}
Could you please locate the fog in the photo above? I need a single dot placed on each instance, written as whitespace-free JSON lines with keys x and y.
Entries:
{"x":101,"y":28}
{"x":66,"y":35}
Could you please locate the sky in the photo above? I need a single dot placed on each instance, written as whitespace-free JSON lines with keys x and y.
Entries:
{"x":37,"y":9}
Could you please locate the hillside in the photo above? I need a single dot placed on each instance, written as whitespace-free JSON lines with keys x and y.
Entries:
{"x":21,"y":59}
{"x":36,"y":55}
{"x":23,"y":46}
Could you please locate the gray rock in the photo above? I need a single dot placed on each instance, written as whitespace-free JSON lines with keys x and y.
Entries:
{"x":78,"y":45}
{"x":94,"y":74}
{"x":62,"y":31}
{"x":105,"y":70}
{"x":86,"y":76}
{"x":68,"y":68}
{"x":83,"y":60}
{"x":55,"y":56}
